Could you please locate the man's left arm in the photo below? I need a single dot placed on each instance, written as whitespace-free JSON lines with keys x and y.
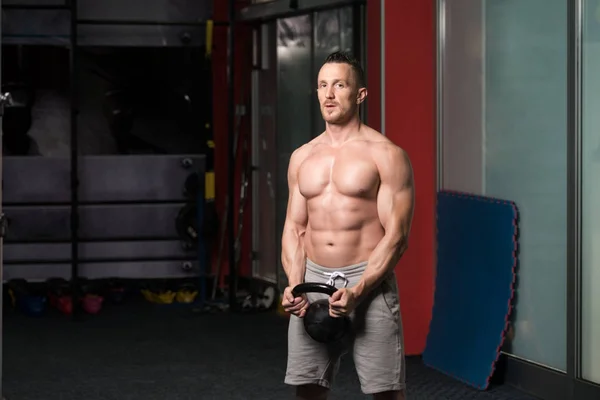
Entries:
{"x":395,"y":204}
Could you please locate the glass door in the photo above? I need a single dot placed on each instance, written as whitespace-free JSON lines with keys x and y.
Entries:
{"x":288,"y":53}
{"x":590,"y":191}
{"x":4,"y":98}
{"x":264,"y":99}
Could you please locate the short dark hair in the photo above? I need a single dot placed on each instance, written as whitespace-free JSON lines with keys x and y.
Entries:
{"x":344,"y":57}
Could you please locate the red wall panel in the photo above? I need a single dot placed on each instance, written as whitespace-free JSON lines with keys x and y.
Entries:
{"x":410,"y":115}
{"x":242,"y":71}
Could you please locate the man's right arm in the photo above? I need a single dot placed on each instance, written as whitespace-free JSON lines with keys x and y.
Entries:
{"x":293,"y":256}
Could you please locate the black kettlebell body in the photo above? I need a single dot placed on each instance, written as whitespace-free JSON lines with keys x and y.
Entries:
{"x":319,"y":325}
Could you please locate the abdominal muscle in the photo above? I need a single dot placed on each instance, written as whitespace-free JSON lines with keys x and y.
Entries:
{"x":343,"y":236}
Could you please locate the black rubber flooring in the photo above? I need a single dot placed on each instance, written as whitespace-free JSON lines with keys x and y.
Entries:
{"x":138,"y":351}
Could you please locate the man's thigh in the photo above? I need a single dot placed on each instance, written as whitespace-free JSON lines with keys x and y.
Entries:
{"x":378,"y":343}
{"x":309,"y":362}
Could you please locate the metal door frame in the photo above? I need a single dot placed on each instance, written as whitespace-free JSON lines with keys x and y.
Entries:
{"x":262,"y":60}
{"x":1,"y":225}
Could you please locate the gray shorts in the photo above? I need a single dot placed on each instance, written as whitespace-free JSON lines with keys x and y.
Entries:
{"x":376,"y":341}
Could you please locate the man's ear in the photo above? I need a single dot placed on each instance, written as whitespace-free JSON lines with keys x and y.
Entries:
{"x":362,"y":95}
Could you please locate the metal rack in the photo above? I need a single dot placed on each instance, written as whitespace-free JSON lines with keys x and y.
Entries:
{"x":74,"y":44}
{"x":231,"y":157}
{"x":74,"y":155}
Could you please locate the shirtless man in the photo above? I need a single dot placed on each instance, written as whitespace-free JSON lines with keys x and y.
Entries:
{"x":348,"y":219}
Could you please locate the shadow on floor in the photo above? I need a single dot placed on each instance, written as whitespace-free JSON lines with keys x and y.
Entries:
{"x":138,"y":351}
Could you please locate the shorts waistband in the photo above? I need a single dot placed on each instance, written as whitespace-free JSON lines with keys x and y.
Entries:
{"x":348,"y":271}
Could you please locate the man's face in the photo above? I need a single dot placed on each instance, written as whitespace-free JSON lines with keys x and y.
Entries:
{"x":338,"y":92}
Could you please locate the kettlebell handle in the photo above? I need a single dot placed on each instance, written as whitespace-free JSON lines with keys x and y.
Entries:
{"x":313,"y":287}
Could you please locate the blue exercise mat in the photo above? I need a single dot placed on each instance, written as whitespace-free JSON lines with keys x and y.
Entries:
{"x":476,"y":269}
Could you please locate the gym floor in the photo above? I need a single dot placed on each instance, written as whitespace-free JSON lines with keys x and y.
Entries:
{"x":141,"y":351}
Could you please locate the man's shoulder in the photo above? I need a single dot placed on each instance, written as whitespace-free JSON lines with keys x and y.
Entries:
{"x":303,"y":151}
{"x":384,"y":147}
{"x":389,"y":156}
{"x":379,"y":141}
{"x":300,"y":154}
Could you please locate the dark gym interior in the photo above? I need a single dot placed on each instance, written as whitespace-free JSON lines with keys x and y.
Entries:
{"x":137,"y":261}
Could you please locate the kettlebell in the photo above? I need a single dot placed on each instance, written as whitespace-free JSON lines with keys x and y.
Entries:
{"x":64,"y":304}
{"x":92,"y":304}
{"x":33,"y":305}
{"x":319,"y":325}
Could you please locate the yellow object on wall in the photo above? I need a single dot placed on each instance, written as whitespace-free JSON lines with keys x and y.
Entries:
{"x":209,"y":186}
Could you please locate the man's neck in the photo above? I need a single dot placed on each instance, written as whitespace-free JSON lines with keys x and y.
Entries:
{"x":339,"y":134}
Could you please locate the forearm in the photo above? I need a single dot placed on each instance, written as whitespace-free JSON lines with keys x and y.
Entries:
{"x":293,"y":256}
{"x":382,"y":261}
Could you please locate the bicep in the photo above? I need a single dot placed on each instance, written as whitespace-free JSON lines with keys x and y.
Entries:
{"x":395,"y":207}
{"x":395,"y":200}
{"x":296,"y":207}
